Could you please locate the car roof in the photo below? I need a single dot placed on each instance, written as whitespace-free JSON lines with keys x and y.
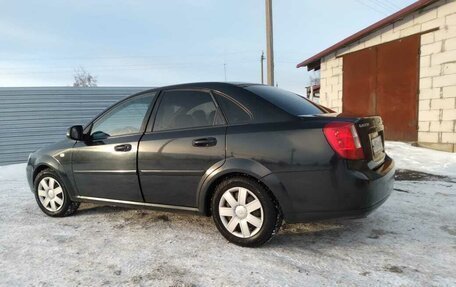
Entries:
{"x":201,"y":85}
{"x":259,"y":107}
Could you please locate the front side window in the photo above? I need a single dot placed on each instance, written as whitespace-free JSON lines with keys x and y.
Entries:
{"x":186,"y":109}
{"x":126,"y":118}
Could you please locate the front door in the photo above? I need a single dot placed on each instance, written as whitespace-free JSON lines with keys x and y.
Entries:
{"x":104,"y":166}
{"x":188,"y":138}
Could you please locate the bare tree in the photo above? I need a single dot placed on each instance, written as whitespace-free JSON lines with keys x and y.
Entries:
{"x":314,"y":78}
{"x":84,"y":79}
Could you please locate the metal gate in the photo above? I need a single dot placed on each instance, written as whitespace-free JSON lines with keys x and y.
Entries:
{"x":33,"y":117}
{"x":383,"y":80}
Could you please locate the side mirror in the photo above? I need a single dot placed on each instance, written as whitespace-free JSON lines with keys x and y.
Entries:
{"x":75,"y":133}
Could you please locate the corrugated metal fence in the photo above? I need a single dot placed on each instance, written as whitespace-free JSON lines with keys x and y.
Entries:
{"x":33,"y":117}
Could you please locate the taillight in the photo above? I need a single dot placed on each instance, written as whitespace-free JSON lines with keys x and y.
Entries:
{"x":344,"y":140}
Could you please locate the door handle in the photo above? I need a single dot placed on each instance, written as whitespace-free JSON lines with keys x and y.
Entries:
{"x":123,"y":147}
{"x":204,"y":142}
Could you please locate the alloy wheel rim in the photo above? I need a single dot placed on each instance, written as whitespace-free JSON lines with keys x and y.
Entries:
{"x":51,"y":194}
{"x":241,"y":212}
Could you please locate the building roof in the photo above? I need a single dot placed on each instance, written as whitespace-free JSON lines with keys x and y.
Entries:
{"x":314,"y":61}
{"x":314,"y":87}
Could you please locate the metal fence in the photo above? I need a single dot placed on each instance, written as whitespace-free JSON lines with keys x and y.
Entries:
{"x":33,"y":117}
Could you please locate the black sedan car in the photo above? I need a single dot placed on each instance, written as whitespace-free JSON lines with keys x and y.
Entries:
{"x":250,"y":155}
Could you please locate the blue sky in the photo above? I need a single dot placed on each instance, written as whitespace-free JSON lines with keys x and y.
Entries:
{"x":152,"y":43}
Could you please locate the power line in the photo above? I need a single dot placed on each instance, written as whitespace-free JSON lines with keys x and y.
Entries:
{"x":5,"y":58}
{"x":393,"y":3}
{"x":379,"y":6}
{"x":383,"y":5}
{"x":371,"y":7}
{"x":126,"y":57}
{"x":57,"y":70}
{"x":97,"y":69}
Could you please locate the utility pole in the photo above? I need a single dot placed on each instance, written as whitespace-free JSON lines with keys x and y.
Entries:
{"x":269,"y":43}
{"x":224,"y":70}
{"x":261,"y":61}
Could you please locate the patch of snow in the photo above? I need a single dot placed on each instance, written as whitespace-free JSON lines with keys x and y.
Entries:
{"x":426,"y":160}
{"x":409,"y":241}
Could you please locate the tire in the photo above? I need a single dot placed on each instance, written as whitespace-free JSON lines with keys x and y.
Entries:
{"x":52,"y":196}
{"x":244,"y":212}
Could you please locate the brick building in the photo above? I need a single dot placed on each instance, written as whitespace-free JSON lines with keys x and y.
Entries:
{"x":402,"y":68}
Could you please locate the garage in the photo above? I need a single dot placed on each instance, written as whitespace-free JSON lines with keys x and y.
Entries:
{"x":402,"y":68}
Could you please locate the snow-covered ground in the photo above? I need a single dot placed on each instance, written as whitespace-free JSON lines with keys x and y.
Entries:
{"x":409,"y":241}
{"x":422,"y":159}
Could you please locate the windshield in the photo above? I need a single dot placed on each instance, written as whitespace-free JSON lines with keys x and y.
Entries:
{"x":288,"y":101}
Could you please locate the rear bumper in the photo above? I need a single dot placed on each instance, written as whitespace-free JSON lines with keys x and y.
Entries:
{"x":349,"y":214}
{"x":339,"y":193}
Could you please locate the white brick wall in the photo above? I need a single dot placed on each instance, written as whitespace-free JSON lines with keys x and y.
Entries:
{"x":331,"y":83}
{"x":438,"y":66}
{"x":437,"y":87}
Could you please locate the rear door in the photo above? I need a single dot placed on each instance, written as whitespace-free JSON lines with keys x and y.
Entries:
{"x":397,"y":88}
{"x":186,"y":138}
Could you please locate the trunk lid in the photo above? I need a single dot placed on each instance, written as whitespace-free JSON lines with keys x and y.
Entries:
{"x":370,"y":132}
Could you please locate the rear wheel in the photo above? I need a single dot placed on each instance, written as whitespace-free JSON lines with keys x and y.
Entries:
{"x":52,"y":196}
{"x":244,"y":212}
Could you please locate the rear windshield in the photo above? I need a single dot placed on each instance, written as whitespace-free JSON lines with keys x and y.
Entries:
{"x":288,"y":101}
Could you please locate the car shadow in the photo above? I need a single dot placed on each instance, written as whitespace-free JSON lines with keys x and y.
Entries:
{"x":138,"y":216}
{"x":92,"y":209}
{"x":334,"y":232}
{"x":302,"y":235}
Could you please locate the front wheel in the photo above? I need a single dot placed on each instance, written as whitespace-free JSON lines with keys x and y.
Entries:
{"x":244,"y":212}
{"x":52,"y":196}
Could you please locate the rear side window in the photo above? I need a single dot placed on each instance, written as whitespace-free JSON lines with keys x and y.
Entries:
{"x":186,"y":109}
{"x":288,"y":101}
{"x":234,"y":112}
